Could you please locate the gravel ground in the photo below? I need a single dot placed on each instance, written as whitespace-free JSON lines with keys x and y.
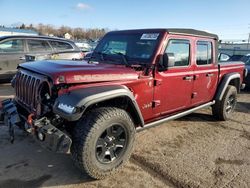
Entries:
{"x":194,"y":151}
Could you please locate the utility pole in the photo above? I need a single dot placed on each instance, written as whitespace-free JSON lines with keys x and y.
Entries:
{"x":248,"y":37}
{"x":248,"y":40}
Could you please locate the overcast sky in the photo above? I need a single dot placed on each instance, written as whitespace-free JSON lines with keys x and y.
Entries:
{"x":230,"y":19}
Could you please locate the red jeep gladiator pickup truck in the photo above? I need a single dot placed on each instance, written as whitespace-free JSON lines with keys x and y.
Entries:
{"x":133,"y":80}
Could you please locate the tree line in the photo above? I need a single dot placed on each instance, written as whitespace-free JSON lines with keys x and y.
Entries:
{"x":76,"y":33}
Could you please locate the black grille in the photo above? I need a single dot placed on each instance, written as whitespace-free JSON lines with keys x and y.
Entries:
{"x":27,"y":88}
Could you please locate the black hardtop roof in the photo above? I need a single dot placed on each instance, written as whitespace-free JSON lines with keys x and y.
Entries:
{"x":33,"y":37}
{"x":180,"y":31}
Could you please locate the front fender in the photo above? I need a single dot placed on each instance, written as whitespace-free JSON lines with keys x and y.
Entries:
{"x":81,"y":99}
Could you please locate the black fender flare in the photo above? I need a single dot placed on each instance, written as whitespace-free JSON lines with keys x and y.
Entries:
{"x":224,"y":83}
{"x":81,"y":99}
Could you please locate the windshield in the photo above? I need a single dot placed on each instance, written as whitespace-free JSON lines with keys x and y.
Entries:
{"x":138,"y":47}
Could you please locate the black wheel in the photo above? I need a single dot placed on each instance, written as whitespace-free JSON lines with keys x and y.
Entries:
{"x":103,"y":141}
{"x":222,"y":110}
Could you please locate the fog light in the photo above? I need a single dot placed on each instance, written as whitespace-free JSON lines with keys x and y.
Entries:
{"x":41,"y":136}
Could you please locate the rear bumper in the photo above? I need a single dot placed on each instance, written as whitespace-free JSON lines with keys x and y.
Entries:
{"x":243,"y":86}
{"x":48,"y":135}
{"x":247,"y":80}
{"x":7,"y":76}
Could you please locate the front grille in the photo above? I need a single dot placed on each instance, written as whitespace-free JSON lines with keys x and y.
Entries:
{"x":27,"y":89}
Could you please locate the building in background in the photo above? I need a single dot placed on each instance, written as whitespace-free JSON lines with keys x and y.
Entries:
{"x":67,"y":36}
{"x":235,"y":47}
{"x":12,"y":31}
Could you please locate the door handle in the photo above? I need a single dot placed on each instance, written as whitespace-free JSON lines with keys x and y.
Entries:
{"x":188,"y":78}
{"x":209,"y":74}
{"x":21,"y":58}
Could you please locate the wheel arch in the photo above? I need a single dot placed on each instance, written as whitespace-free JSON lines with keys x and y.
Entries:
{"x":228,"y":79}
{"x":89,"y":98}
{"x":123,"y":102}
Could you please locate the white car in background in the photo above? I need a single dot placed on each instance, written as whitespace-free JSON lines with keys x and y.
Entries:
{"x":84,"y":46}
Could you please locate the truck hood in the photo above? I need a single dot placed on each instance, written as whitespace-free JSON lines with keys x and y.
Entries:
{"x":62,"y":71}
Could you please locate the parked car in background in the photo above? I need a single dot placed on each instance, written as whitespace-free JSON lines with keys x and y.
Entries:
{"x":235,"y":57}
{"x":223,"y":57}
{"x":84,"y":45}
{"x":14,"y":48}
{"x":246,"y":60}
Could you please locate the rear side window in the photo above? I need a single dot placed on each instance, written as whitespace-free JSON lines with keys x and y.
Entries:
{"x":181,"y":50}
{"x":9,"y":46}
{"x":60,"y":46}
{"x":38,"y":46}
{"x":203,"y":53}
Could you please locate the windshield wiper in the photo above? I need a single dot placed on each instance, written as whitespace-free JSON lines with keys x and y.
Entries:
{"x":100,"y":54}
{"x":124,"y":58}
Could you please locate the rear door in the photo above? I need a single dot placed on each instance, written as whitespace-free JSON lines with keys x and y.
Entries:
{"x":38,"y":47}
{"x":174,"y":86}
{"x":205,"y":72}
{"x":12,"y":52}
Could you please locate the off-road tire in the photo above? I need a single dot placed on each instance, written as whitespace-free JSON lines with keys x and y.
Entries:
{"x":86,"y":133}
{"x":219,"y":108}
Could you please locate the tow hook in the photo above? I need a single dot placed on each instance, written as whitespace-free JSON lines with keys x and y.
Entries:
{"x":29,"y":127}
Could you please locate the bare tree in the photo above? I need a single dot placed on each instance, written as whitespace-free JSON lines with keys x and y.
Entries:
{"x":76,"y":33}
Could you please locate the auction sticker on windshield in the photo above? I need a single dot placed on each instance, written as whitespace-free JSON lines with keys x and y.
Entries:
{"x":149,"y":36}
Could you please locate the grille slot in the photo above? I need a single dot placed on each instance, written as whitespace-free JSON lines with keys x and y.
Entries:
{"x":27,"y":89}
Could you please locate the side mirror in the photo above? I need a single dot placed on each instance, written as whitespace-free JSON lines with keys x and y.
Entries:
{"x":167,"y":60}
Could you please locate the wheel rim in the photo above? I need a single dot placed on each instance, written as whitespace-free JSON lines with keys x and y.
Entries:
{"x":111,"y":144}
{"x":230,"y":105}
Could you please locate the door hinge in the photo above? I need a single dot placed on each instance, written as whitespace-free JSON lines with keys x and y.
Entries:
{"x":156,"y":103}
{"x":157,"y":82}
{"x":194,"y":94}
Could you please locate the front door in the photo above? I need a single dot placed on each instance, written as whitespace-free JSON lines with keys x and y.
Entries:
{"x":173,"y":87}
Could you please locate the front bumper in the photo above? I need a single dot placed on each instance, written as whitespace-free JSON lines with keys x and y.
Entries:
{"x":48,"y":135}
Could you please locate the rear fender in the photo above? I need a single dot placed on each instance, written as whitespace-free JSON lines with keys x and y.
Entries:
{"x":227,"y":80}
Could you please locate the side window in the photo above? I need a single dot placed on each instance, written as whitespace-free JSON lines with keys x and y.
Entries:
{"x":60,"y":46}
{"x":181,"y":50}
{"x":38,"y":46}
{"x":203,"y":53}
{"x":9,"y":46}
